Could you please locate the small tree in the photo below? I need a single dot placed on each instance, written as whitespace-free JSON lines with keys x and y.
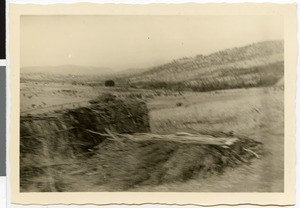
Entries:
{"x":109,"y":83}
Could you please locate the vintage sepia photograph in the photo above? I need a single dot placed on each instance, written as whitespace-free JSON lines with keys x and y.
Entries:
{"x":151,"y":103}
{"x":165,"y":104}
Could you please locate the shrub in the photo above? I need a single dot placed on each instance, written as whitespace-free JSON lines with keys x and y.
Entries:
{"x":179,"y":104}
{"x":109,"y":83}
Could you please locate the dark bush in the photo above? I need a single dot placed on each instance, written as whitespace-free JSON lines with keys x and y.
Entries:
{"x":179,"y":104}
{"x":109,"y":83}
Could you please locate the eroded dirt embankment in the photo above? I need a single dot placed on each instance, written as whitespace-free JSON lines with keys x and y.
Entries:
{"x":59,"y":154}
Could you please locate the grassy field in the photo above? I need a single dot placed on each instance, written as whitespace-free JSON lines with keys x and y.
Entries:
{"x":256,"y":113}
{"x":237,"y":111}
{"x":40,"y":97}
{"x":35,"y":96}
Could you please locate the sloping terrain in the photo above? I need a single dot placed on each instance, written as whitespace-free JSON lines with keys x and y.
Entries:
{"x":257,"y":113}
{"x":258,"y":64}
{"x":68,"y":151}
{"x":64,"y":148}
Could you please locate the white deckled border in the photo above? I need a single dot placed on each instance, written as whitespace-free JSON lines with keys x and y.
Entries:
{"x":147,"y":1}
{"x":3,"y":63}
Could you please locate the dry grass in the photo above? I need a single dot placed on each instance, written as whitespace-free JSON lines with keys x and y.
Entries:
{"x":253,"y":113}
{"x":256,"y":113}
{"x":54,"y":162}
{"x":246,"y":111}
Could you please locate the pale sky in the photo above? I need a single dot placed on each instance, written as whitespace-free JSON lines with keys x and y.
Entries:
{"x":122,"y":42}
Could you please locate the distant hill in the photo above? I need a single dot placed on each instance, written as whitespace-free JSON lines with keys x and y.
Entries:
{"x":258,"y":64}
{"x":68,"y":70}
{"x":65,"y":73}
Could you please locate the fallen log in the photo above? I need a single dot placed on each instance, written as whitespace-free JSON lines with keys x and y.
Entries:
{"x":180,"y":137}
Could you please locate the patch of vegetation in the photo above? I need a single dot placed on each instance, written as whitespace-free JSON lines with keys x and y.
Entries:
{"x":227,"y":78}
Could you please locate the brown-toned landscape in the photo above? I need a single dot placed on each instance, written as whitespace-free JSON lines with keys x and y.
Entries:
{"x":208,"y":123}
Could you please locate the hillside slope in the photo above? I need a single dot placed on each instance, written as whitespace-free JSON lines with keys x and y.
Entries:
{"x":258,"y":64}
